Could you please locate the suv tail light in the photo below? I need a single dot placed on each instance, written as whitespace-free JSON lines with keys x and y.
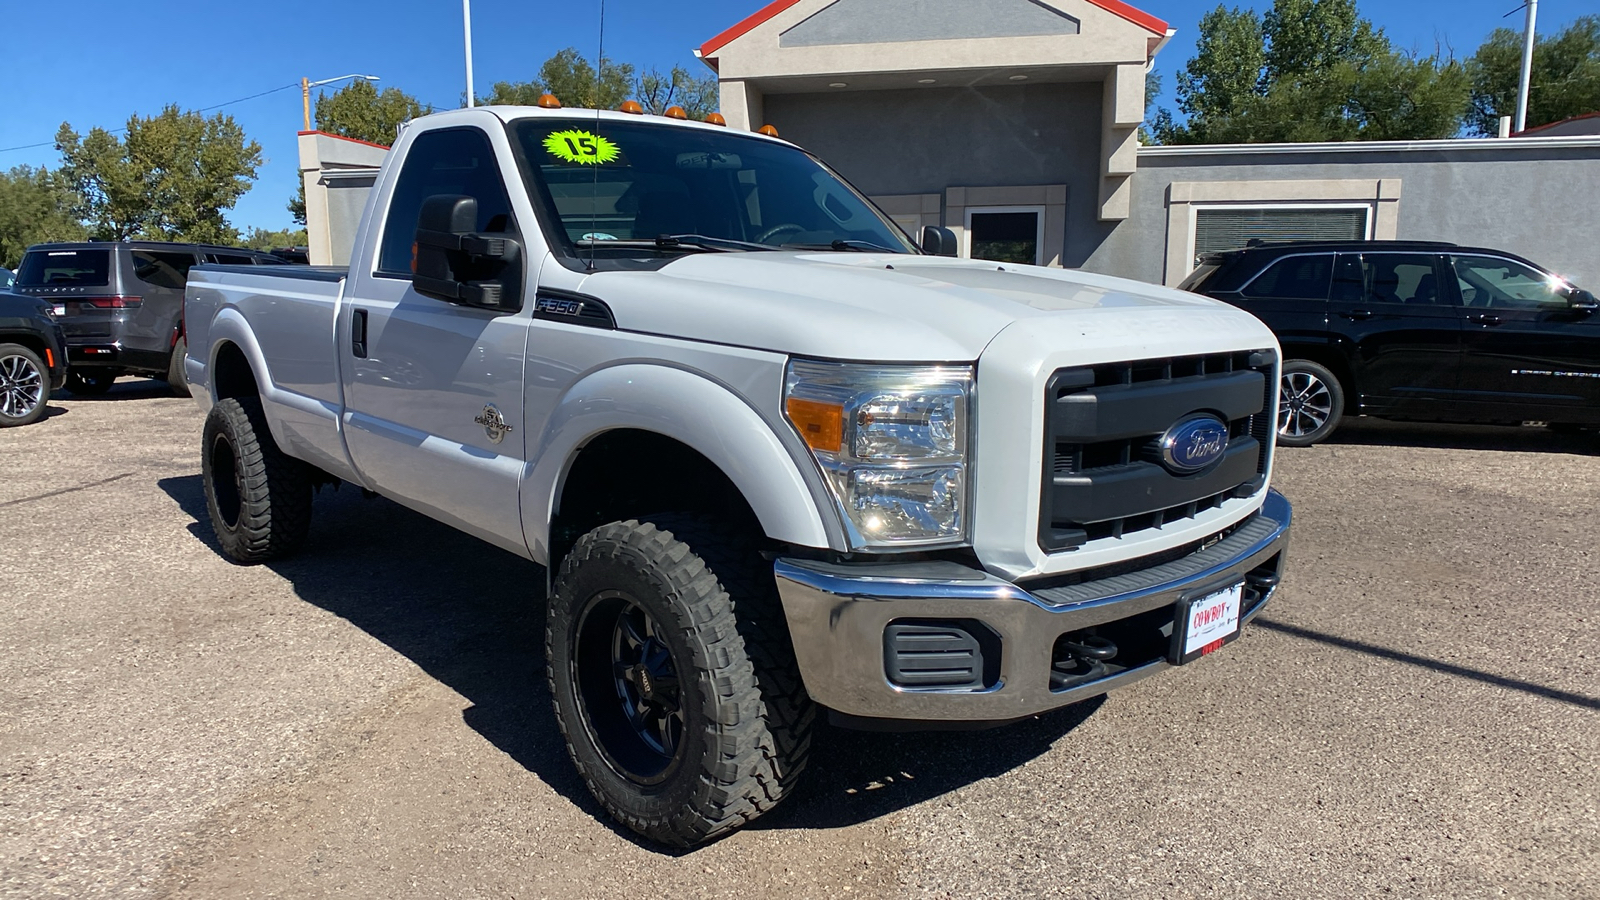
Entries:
{"x":114,"y":302}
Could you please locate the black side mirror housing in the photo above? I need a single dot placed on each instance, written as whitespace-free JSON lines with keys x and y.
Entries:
{"x":938,"y":241}
{"x":458,"y":265}
{"x":1578,"y":298}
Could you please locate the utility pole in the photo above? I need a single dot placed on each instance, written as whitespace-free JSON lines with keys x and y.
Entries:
{"x":1527,"y":66}
{"x":466,"y":24}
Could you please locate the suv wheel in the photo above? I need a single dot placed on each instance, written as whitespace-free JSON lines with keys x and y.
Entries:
{"x":24,"y":386}
{"x":673,"y":679}
{"x":1310,"y":402}
{"x":90,"y":384}
{"x":177,"y":379}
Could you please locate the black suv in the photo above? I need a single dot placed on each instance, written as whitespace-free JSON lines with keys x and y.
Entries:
{"x":121,"y":304}
{"x":33,"y":358}
{"x":1414,"y":330}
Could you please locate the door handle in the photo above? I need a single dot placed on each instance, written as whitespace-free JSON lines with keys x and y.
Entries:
{"x":358,"y":333}
{"x":1484,"y":318}
{"x":1357,"y":315}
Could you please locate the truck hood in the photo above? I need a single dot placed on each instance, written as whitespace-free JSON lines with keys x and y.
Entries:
{"x":883,"y":306}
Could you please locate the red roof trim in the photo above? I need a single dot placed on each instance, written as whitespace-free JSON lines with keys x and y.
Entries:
{"x":340,"y":137}
{"x":1538,"y":128}
{"x":761,"y":17}
{"x":771,"y":10}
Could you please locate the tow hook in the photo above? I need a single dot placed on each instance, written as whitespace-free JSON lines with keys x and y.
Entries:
{"x":1081,"y":660}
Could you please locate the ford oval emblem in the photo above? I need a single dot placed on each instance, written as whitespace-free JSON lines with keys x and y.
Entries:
{"x":1193,"y":444}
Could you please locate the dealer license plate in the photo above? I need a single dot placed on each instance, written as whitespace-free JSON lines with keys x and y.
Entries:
{"x":1205,"y":623}
{"x":61,"y":309}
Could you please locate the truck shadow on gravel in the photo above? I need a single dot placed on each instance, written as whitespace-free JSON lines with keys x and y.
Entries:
{"x":472,"y":616}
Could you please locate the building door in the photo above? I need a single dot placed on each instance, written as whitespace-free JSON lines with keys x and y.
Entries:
{"x":1529,"y":354}
{"x":1403,"y":333}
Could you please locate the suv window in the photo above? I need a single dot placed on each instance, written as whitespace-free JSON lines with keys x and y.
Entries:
{"x":162,"y":269}
{"x":1386,"y":278}
{"x":450,"y":161}
{"x":1294,"y":278}
{"x":1501,"y":283}
{"x":232,"y":259}
{"x":65,"y":268}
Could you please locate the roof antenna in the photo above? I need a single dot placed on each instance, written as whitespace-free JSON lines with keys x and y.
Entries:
{"x":594,"y":197}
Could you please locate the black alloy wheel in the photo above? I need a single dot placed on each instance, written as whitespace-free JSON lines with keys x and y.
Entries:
{"x":628,"y":677}
{"x":24,"y":386}
{"x":1310,"y":402}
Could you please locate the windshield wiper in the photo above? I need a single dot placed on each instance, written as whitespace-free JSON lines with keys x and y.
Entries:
{"x":686,"y":242}
{"x":856,"y":246}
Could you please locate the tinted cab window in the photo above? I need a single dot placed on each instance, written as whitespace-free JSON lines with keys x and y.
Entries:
{"x":454,"y":161}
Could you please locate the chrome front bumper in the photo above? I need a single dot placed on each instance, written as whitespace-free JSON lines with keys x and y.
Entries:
{"x":838,"y":615}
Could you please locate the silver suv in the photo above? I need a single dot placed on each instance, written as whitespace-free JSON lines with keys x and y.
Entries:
{"x":121,"y":304}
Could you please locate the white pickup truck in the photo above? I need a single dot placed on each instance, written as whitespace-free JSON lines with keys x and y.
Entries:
{"x":776,"y":457}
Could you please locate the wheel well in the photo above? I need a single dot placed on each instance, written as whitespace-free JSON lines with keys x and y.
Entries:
{"x":231,"y":376}
{"x":1331,"y":359}
{"x":31,"y":341}
{"x":628,"y":473}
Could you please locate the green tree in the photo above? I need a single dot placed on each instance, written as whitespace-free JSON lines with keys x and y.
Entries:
{"x":35,"y":207}
{"x":656,"y":91}
{"x":170,"y":178}
{"x":572,"y":79}
{"x":359,"y":110}
{"x":260,"y":239}
{"x":1309,"y":70}
{"x":1565,"y":80}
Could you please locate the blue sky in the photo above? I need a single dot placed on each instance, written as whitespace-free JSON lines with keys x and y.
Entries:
{"x":96,"y":61}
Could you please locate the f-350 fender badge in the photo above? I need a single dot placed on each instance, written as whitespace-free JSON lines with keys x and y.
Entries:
{"x":494,"y":424}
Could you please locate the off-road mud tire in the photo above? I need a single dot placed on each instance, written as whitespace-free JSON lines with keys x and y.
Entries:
{"x":748,"y":734}
{"x":259,"y":498}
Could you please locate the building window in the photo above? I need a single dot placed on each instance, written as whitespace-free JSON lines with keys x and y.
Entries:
{"x":1013,"y":234}
{"x":1229,"y":227}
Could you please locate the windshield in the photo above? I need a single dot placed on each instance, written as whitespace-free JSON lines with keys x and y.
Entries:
{"x":618,"y":188}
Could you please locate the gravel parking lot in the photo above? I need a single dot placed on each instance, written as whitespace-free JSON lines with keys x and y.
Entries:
{"x":1416,"y":715}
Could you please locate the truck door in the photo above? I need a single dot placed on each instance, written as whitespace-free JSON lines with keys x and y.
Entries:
{"x":1529,"y":354}
{"x":433,"y":390}
{"x":1404,"y":335}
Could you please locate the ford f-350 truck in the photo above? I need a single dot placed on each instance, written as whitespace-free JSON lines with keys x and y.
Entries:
{"x":776,"y":456}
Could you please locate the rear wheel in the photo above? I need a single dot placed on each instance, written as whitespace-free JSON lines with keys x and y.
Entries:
{"x":1310,"y":402}
{"x":673,"y":678}
{"x":177,"y":380}
{"x":259,"y":497}
{"x":91,"y":383}
{"x":24,"y":386}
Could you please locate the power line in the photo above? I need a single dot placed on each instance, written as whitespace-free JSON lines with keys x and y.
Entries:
{"x":200,"y":110}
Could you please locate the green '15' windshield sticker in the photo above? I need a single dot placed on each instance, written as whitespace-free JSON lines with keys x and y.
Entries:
{"x":581,"y":147}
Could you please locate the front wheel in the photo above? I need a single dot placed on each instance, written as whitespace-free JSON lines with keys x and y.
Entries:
{"x":24,"y":386}
{"x":673,"y":679}
{"x":259,"y":497}
{"x":1310,"y":402}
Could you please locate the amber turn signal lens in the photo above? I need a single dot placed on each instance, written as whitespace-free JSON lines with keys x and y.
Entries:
{"x":820,"y":424}
{"x":549,"y":101}
{"x":675,"y":112}
{"x":769,"y":131}
{"x":716,"y":119}
{"x":413,"y":257}
{"x":631,"y":107}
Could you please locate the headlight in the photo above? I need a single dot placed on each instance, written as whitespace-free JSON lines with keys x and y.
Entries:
{"x":892,"y":441}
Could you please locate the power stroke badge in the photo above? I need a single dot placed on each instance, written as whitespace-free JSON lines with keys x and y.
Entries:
{"x":494,"y":424}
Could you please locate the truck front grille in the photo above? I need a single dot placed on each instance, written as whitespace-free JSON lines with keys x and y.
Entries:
{"x":1103,"y":473}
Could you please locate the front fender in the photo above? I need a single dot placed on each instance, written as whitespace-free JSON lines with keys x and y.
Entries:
{"x":692,"y":410}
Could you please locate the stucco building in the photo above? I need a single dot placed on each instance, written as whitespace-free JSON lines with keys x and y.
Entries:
{"x":1015,"y":124}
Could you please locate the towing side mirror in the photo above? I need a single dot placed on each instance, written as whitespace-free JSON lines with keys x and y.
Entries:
{"x":938,"y":241}
{"x":455,"y":264}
